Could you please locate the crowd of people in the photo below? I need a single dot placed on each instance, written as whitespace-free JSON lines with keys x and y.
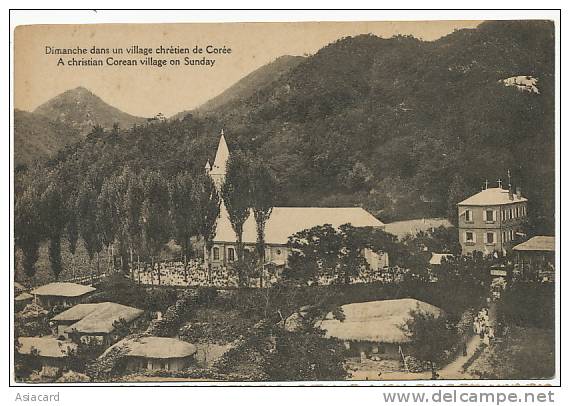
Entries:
{"x":483,"y":327}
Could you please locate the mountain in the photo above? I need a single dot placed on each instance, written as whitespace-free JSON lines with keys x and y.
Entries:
{"x":37,"y":137}
{"x":403,"y":127}
{"x":247,"y":86}
{"x":81,"y":109}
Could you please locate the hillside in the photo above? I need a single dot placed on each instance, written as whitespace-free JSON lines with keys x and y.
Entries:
{"x":37,"y":137}
{"x":81,"y":109}
{"x":246,"y":87}
{"x":403,"y":127}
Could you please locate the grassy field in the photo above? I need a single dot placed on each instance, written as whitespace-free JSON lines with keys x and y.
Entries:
{"x":528,"y":353}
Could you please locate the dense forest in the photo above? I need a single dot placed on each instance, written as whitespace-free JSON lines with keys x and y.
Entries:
{"x":403,"y":127}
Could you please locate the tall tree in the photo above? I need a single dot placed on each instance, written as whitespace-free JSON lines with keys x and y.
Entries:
{"x":262,"y":201}
{"x":87,"y":218}
{"x":184,"y":212}
{"x":72,"y":226}
{"x":133,"y":221}
{"x":27,"y":226}
{"x":209,"y":212}
{"x":236,"y":194}
{"x":155,"y":216}
{"x":53,"y":209}
{"x":108,"y":215}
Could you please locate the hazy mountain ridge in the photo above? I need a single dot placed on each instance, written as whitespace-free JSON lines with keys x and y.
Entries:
{"x":82,"y":110}
{"x":247,"y":86}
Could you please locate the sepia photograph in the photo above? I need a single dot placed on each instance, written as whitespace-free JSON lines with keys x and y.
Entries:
{"x":274,"y":202}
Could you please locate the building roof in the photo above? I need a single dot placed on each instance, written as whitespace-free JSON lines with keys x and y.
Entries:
{"x":46,"y":346}
{"x":402,"y":228}
{"x":286,"y":221}
{"x":222,"y":156}
{"x":538,"y":243}
{"x":97,"y":317}
{"x":377,"y":321}
{"x":19,"y":286}
{"x":437,"y":258}
{"x":156,"y":347}
{"x":64,"y":289}
{"x":23,"y":296}
{"x":491,"y":197}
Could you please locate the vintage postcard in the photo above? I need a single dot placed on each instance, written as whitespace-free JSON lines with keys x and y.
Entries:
{"x":269,"y":202}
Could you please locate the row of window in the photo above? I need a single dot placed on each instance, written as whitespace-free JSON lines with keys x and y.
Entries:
{"x":490,"y":215}
{"x":489,"y":237}
{"x":231,"y":253}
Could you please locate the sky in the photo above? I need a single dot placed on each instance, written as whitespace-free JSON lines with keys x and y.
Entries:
{"x":147,"y":90}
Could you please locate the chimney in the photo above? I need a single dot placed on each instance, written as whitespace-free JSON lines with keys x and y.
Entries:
{"x":519,"y":194}
{"x":511,"y":197}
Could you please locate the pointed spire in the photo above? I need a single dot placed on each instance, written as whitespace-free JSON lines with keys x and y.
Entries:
{"x":222,"y":156}
{"x":208,"y":167}
{"x":486,"y":184}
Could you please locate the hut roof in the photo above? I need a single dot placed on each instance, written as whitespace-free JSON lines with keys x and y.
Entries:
{"x":23,"y":296}
{"x":64,"y":289}
{"x":538,"y":243}
{"x":436,"y":258}
{"x":377,"y":321}
{"x":19,"y":286}
{"x":156,"y":347}
{"x":46,"y":346}
{"x":97,"y":317}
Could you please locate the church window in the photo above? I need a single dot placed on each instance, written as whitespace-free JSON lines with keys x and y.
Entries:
{"x":216,"y":252}
{"x":231,"y":254}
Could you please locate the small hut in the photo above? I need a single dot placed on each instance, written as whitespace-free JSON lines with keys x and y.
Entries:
{"x":155,"y":353}
{"x":61,"y":293}
{"x":50,"y":352}
{"x":374,"y":328}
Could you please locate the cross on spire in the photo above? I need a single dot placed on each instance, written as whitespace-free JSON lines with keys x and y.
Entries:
{"x":486,"y":184}
{"x":500,"y":182}
{"x":509,"y":175}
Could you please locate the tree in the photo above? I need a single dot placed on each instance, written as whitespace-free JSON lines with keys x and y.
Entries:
{"x":53,"y":209}
{"x":108,"y":215}
{"x":184,"y":212}
{"x":262,"y":201}
{"x":209,"y":212}
{"x":134,"y":203}
{"x":315,"y":252}
{"x":87,"y":218}
{"x":431,"y":335}
{"x":236,"y":194}
{"x":72,"y":226}
{"x":27,"y":226}
{"x":155,"y":216}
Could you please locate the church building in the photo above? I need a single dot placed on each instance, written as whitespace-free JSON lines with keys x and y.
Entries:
{"x":283,"y":222}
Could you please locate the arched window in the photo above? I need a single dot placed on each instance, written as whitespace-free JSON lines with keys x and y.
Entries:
{"x":216,"y":252}
{"x":231,"y":254}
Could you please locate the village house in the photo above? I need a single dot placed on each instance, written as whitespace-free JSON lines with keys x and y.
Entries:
{"x":94,"y":321}
{"x":535,"y":258}
{"x":373,"y":329}
{"x":283,"y":223}
{"x":48,"y":350}
{"x":61,"y":293}
{"x":492,"y":220}
{"x":155,"y":353}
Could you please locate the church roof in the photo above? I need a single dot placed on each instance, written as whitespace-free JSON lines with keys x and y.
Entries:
{"x":286,"y":221}
{"x":490,"y":197}
{"x":222,"y":156}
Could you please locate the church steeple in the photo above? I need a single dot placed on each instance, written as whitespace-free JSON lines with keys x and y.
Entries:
{"x":218,"y":169}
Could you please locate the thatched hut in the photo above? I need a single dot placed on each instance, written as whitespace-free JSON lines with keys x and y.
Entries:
{"x":155,"y":353}
{"x":374,"y":328}
{"x":62,"y":294}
